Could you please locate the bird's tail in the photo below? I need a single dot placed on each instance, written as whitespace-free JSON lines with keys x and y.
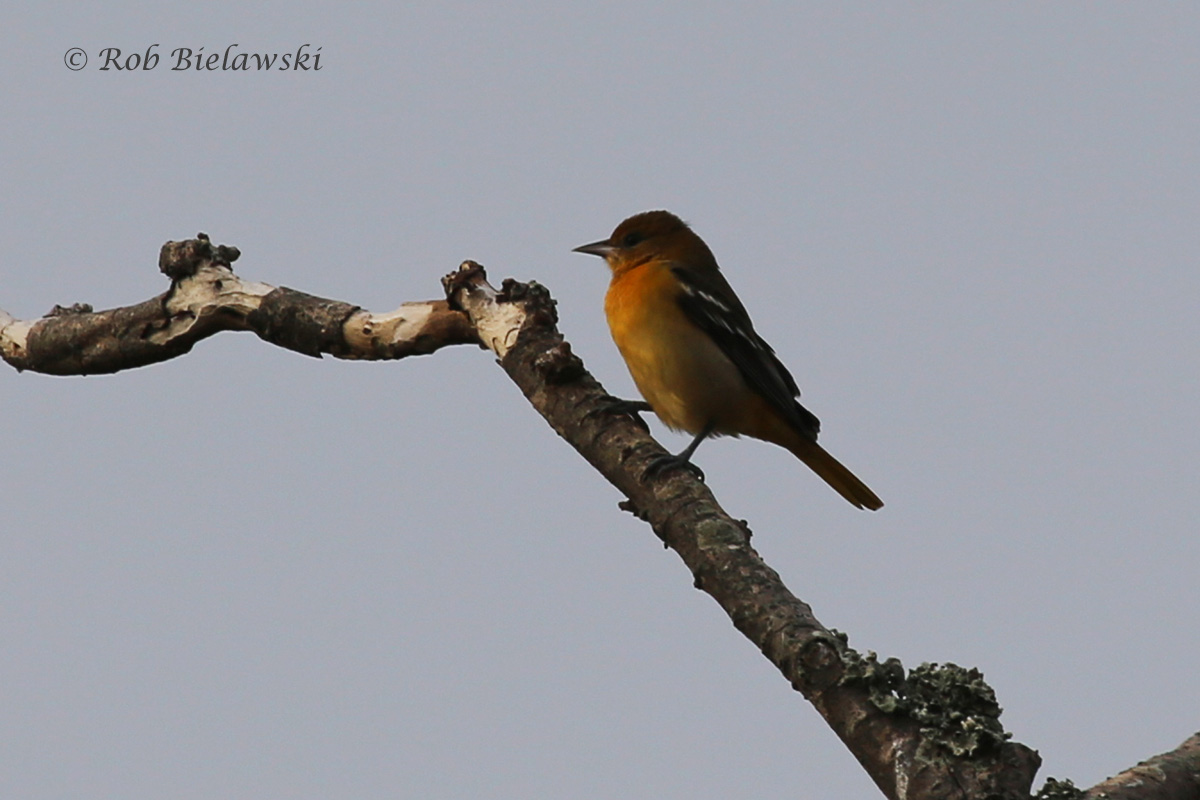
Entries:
{"x":832,"y":472}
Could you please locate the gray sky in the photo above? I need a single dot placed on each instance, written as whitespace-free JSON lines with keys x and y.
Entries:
{"x":969,"y":230}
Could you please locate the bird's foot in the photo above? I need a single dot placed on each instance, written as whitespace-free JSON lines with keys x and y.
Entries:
{"x":666,"y":461}
{"x":618,"y":405}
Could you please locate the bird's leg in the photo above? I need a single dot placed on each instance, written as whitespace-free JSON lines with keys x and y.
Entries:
{"x":618,"y":405}
{"x":682,"y":459}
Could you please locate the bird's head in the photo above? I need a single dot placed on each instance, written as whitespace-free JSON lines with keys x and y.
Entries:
{"x":650,"y":236}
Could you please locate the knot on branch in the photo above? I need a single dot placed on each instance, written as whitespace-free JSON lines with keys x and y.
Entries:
{"x":500,"y":317}
{"x":179,"y":260}
{"x":540,"y":307}
{"x":66,"y":311}
{"x":1059,"y":790}
{"x":558,"y":365}
{"x":469,"y":275}
{"x":955,"y":707}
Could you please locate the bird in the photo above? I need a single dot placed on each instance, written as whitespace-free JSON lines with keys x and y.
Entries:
{"x":694,"y":355}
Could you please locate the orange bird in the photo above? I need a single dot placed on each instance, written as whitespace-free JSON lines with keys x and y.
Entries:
{"x":693,"y":353}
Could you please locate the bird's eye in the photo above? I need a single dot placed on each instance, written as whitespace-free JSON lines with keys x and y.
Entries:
{"x":632,"y":238}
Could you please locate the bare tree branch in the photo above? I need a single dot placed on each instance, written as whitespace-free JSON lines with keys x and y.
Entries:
{"x":1169,"y":776}
{"x":930,"y":733}
{"x":205,"y":298}
{"x":906,"y":758}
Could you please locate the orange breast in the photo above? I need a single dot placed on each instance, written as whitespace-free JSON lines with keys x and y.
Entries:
{"x":678,"y":369}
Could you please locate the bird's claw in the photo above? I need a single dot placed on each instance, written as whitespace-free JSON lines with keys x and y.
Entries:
{"x":618,"y":405}
{"x":667,"y":461}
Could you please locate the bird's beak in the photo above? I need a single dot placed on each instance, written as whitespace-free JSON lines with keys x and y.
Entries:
{"x":602,"y":248}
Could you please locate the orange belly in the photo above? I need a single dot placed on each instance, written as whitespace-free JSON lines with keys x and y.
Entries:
{"x":678,"y":369}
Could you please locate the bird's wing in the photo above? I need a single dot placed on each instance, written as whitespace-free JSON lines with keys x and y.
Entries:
{"x":710,"y":304}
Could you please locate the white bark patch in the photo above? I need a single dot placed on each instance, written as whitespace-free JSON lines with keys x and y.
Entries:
{"x":498,"y":324}
{"x":367,"y":332}
{"x":402,"y":325}
{"x":412,"y":320}
{"x":14,"y":335}
{"x":211,"y":290}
